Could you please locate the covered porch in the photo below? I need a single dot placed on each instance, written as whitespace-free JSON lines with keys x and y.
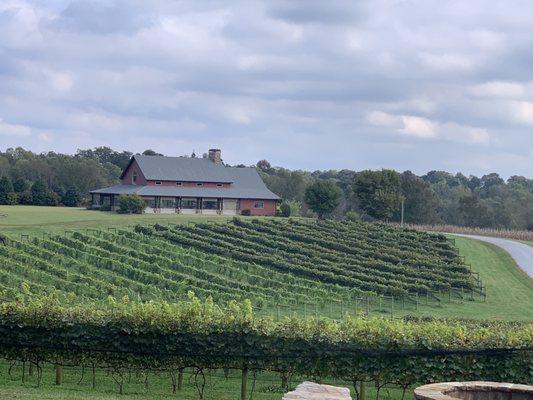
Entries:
{"x":191,"y":205}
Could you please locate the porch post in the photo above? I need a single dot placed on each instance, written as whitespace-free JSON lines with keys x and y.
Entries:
{"x":198,"y":205}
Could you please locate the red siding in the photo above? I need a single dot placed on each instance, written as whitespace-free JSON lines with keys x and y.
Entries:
{"x":268,"y":210}
{"x":128,"y":175}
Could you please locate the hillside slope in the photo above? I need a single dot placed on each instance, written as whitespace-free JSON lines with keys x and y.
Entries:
{"x":289,"y":265}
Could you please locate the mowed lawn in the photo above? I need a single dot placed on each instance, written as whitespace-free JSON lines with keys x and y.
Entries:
{"x":509,"y":289}
{"x":36,"y":220}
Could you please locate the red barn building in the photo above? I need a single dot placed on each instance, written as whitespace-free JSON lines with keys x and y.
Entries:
{"x":190,"y":186}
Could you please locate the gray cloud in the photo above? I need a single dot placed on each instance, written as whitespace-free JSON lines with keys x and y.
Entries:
{"x":414,"y":85}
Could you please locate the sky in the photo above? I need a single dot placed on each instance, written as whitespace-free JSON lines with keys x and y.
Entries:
{"x":311,"y":84}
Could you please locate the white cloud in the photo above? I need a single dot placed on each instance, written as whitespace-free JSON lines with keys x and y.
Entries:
{"x":15,"y":130}
{"x":132,"y":75}
{"x":521,"y":111}
{"x":45,"y":137}
{"x":448,"y":61}
{"x":424,"y":128}
{"x":501,"y":89}
{"x":381,"y":118}
{"x":418,"y":127}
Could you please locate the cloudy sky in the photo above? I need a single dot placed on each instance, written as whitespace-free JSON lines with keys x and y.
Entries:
{"x":401,"y":84}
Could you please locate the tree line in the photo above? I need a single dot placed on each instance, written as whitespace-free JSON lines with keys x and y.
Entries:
{"x":437,"y":197}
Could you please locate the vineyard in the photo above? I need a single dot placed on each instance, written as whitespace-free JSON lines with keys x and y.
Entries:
{"x":127,"y":338}
{"x":299,"y":265}
{"x":187,"y":304}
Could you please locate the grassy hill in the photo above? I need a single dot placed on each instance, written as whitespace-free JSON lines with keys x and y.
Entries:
{"x":304,"y":267}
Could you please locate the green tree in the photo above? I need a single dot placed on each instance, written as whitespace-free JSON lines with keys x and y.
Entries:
{"x":378,"y":192}
{"x":20,"y":185}
{"x":285,"y":209}
{"x":71,"y":197}
{"x":5,"y":188}
{"x":475,"y":212}
{"x":322,"y":197}
{"x":420,"y":203}
{"x":39,"y":193}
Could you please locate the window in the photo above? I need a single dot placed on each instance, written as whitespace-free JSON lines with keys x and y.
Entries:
{"x":259,"y":204}
{"x":151,"y":203}
{"x":199,"y":184}
{"x":134,"y":177}
{"x":219,"y":185}
{"x":168,"y":202}
{"x":189,"y":204}
{"x":179,"y":184}
{"x":158,"y":182}
{"x":210,"y":204}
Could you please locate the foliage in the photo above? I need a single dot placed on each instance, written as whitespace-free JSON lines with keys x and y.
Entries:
{"x":359,"y":256}
{"x":285,"y":209}
{"x":131,"y":204}
{"x":125,"y":336}
{"x":40,"y":194}
{"x":12,"y":199}
{"x":431,"y":198}
{"x":71,"y":197}
{"x":352,"y":216}
{"x":378,"y":193}
{"x":322,"y":197}
{"x":5,"y":188}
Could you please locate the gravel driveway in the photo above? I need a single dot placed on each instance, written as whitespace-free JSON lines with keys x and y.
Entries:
{"x":520,"y":252}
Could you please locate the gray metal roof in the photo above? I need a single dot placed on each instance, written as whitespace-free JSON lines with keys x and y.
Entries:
{"x":247,"y":184}
{"x":182,"y":169}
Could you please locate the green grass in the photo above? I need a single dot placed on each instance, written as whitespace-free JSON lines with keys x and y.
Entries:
{"x":528,"y":242}
{"x":36,"y":220}
{"x":509,"y":289}
{"x":217,"y":387}
{"x":510,"y":297}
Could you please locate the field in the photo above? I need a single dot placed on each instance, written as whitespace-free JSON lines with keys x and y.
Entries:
{"x":508,"y":288}
{"x":287,"y":268}
{"x":15,"y":220}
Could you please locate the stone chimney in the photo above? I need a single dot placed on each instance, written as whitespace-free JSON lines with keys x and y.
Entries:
{"x":215,"y":155}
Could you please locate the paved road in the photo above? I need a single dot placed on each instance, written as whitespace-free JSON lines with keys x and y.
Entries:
{"x":521,"y":252}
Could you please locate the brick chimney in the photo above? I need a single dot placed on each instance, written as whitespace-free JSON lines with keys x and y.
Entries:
{"x":215,"y":155}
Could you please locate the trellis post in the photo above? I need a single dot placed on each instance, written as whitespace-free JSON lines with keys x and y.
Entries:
{"x":244,"y":382}
{"x":59,"y":374}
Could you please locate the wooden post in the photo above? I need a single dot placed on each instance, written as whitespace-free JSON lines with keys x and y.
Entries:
{"x":362,"y":393}
{"x":59,"y":374}
{"x":244,"y":383}
{"x":180,"y":378}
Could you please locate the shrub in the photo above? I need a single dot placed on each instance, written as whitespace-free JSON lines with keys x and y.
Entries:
{"x":131,"y":204}
{"x":12,"y":198}
{"x":71,"y":198}
{"x":352,"y":216}
{"x":285,"y":209}
{"x":105,"y":207}
{"x":322,"y":197}
{"x":246,"y":212}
